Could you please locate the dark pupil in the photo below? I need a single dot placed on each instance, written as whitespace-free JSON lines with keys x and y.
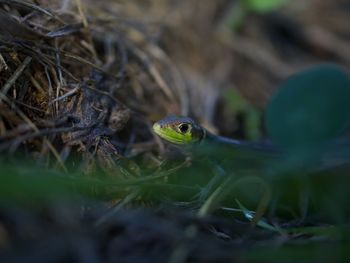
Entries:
{"x":184,"y":128}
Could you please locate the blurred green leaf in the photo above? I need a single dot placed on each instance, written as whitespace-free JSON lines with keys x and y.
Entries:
{"x":263,"y":6}
{"x":337,"y":233}
{"x":236,"y":101}
{"x":30,"y":184}
{"x":252,"y":116}
{"x":250,"y":216}
{"x":304,"y":252}
{"x":310,"y":108}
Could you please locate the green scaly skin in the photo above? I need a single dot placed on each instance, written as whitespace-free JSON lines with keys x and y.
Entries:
{"x":179,"y":130}
{"x":186,"y":132}
{"x":222,"y":153}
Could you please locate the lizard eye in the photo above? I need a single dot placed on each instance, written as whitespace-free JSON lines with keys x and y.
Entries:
{"x":184,"y":127}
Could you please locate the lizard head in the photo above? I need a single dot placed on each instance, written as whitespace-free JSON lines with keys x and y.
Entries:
{"x":179,"y":130}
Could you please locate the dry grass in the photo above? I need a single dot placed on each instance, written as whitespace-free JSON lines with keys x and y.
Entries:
{"x":81,"y":78}
{"x":71,"y":81}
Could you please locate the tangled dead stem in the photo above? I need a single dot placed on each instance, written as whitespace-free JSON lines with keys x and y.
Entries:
{"x":84,"y":80}
{"x":87,"y":79}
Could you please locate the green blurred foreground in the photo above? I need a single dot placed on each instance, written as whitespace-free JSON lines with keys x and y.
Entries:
{"x":295,"y":210}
